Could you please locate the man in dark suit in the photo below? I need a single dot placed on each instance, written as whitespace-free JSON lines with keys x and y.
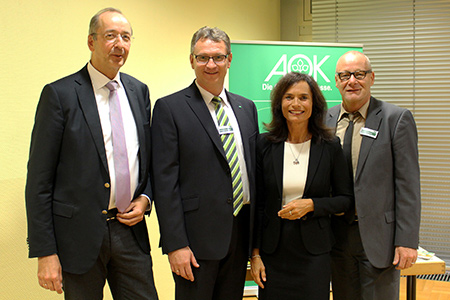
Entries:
{"x":85,"y":203}
{"x":381,"y":236}
{"x":203,"y":171}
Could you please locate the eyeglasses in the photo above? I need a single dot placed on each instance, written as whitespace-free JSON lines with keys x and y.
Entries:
{"x":345,"y":75}
{"x":111,"y":37}
{"x":204,"y":59}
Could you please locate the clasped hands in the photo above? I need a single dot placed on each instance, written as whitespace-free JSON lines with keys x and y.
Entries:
{"x":296,"y":209}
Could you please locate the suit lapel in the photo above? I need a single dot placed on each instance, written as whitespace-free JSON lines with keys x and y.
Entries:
{"x":241,"y":117}
{"x":332,"y":116}
{"x":277,"y":160}
{"x":130,"y":89}
{"x":373,"y":121}
{"x":239,"y":112}
{"x":315,"y":154}
{"x":86,"y":98}
{"x":197,"y":104}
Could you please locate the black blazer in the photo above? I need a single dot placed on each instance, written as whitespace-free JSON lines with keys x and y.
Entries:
{"x":192,"y":179}
{"x":68,"y":179}
{"x":328,"y":184}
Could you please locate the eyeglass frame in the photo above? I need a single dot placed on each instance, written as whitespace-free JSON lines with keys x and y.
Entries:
{"x":353,"y":73}
{"x":211,"y":57}
{"x":116,"y":36}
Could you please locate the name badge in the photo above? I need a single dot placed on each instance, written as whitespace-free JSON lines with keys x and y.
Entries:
{"x":369,"y":132}
{"x":225,"y":130}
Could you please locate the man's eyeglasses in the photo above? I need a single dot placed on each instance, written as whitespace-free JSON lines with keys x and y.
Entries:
{"x":111,"y":37}
{"x":345,"y":75}
{"x":204,"y":59}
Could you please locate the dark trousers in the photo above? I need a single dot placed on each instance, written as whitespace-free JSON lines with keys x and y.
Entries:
{"x":122,"y":262}
{"x":353,"y":276}
{"x":220,"y":279}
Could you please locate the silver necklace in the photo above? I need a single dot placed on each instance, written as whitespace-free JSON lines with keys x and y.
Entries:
{"x":296,"y":162}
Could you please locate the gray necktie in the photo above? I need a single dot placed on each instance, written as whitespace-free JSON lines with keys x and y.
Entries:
{"x":347,"y":147}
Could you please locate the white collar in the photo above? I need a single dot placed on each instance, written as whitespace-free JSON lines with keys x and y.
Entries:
{"x":99,"y":80}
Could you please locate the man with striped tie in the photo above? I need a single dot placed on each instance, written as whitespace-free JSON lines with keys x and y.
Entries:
{"x":203,"y":143}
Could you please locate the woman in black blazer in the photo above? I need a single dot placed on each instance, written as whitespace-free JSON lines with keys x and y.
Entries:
{"x":302,"y":179}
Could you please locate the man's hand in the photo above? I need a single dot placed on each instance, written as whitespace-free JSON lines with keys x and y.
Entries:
{"x":134,"y":212}
{"x":180,"y":262}
{"x":50,"y":273}
{"x":404,"y":257}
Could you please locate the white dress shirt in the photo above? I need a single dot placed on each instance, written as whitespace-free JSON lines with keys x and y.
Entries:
{"x":102,"y":98}
{"x":207,"y":97}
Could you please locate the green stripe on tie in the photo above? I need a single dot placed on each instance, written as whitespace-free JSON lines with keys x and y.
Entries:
{"x":229,"y":146}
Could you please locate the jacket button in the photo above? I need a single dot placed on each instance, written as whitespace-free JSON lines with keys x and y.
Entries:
{"x":105,"y":212}
{"x":107,"y":185}
{"x":229,"y":201}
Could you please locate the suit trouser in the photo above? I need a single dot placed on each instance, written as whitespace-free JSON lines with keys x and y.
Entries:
{"x":220,"y":279}
{"x":122,"y":262}
{"x":353,"y":276}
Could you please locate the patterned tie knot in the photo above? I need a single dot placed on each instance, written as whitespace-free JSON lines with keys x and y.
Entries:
{"x":112,"y":85}
{"x":216,"y":100}
{"x":348,"y":116}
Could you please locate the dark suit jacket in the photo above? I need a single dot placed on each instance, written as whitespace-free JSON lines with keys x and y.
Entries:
{"x":68,"y":181}
{"x":387,"y":182}
{"x":327,"y":185}
{"x":192,"y":179}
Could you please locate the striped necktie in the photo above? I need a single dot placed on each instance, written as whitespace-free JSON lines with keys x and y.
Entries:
{"x":229,"y":146}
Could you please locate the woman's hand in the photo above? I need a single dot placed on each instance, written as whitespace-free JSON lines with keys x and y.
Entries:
{"x":258,"y":270}
{"x":296,"y":209}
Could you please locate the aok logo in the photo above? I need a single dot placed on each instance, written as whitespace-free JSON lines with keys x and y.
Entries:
{"x":299,"y":63}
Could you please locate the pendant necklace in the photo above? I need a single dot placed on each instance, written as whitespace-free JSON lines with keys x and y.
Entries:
{"x":296,"y":162}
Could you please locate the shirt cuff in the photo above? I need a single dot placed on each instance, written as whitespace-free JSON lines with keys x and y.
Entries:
{"x":149,"y":206}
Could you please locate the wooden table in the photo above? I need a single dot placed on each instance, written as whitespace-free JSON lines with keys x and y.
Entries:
{"x":434,"y":265}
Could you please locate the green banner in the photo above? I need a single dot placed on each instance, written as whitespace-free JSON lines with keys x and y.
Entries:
{"x":257,"y":66}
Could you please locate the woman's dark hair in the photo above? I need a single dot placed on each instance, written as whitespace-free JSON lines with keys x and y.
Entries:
{"x":277,"y":128}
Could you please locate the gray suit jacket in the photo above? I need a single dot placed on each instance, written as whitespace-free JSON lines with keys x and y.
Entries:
{"x":387,"y":182}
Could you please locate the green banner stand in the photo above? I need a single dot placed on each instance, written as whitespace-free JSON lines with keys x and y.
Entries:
{"x":257,"y":66}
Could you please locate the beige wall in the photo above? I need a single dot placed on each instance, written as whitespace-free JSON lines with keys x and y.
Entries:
{"x":45,"y":40}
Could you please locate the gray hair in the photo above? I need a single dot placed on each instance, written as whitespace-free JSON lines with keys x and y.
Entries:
{"x":95,"y":20}
{"x":213,"y":34}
